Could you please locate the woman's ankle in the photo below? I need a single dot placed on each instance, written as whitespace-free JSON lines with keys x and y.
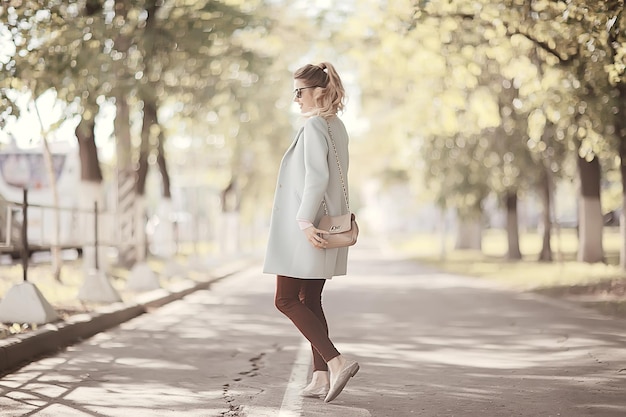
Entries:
{"x":320,"y":377}
{"x":336,"y":363}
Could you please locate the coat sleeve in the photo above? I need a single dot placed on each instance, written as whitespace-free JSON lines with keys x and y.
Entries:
{"x":316,"y":168}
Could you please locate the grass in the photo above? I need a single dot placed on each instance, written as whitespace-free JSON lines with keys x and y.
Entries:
{"x":601,"y":285}
{"x":491,"y":262}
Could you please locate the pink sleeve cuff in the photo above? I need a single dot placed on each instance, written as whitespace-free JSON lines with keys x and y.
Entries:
{"x":304,"y":224}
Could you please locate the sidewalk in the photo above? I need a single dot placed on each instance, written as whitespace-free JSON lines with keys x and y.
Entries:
{"x":23,"y":348}
{"x":429,"y":344}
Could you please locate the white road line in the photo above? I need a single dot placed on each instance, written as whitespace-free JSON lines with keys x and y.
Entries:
{"x":292,"y":401}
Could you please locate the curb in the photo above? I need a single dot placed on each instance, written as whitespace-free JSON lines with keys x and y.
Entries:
{"x":21,"y":349}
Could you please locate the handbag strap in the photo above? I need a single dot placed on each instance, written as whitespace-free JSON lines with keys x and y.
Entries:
{"x":343,"y":183}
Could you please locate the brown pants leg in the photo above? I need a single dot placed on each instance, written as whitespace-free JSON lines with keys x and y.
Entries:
{"x":301,"y":301}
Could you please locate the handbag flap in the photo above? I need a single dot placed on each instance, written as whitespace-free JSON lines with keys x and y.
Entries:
{"x":336,"y":224}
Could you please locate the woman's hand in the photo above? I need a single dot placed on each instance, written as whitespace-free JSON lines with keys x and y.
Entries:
{"x":314,"y":236}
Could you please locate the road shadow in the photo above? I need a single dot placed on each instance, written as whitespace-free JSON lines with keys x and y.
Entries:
{"x":436,"y":344}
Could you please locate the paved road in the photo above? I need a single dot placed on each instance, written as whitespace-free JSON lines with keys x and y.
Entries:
{"x":429,"y":344}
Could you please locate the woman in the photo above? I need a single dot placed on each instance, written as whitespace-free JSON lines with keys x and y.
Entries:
{"x":309,"y":179}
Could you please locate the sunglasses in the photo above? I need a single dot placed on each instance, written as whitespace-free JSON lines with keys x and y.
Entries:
{"x":298,"y":91}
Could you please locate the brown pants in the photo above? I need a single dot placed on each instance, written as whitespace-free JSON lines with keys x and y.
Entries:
{"x":301,"y":301}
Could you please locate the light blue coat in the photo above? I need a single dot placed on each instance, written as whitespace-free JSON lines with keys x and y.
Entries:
{"x":308,"y":174}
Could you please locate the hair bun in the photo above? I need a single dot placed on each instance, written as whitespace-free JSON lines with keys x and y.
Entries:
{"x":323,"y":66}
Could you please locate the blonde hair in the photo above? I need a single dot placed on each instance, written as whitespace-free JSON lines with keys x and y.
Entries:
{"x":331,"y":99}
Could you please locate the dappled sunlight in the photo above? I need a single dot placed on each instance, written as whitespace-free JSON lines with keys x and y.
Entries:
{"x":151,"y":364}
{"x":497,"y":357}
{"x":183,"y":359}
{"x":393,"y":282}
{"x":425,"y":341}
{"x":614,"y":409}
{"x":141,"y":395}
{"x":491,"y":126}
{"x":431,"y":338}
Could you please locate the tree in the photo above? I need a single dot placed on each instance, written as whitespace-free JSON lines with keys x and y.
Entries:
{"x":146,"y":56}
{"x":563,"y":38}
{"x":51,"y":55}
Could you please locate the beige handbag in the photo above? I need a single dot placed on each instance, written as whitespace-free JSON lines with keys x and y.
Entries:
{"x":342,"y":229}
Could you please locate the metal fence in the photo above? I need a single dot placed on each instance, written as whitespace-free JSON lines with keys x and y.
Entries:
{"x":20,"y":237}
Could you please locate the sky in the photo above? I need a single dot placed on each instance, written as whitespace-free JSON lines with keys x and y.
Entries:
{"x":27,"y":130}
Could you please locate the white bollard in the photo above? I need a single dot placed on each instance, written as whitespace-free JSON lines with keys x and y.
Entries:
{"x":97,"y":288}
{"x":24,"y":303}
{"x":142,"y":278}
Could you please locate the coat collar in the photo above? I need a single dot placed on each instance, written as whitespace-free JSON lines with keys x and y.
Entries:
{"x":298,"y":135}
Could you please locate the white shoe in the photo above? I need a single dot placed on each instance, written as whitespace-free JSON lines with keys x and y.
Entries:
{"x":319,"y":385}
{"x":337,"y":384}
{"x":316,"y":392}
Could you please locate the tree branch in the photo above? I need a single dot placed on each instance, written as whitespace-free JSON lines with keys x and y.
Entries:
{"x":544,"y":46}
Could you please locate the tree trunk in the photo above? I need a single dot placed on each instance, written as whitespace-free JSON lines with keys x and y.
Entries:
{"x":512,"y":226}
{"x":469,"y":235}
{"x":620,"y":128}
{"x":622,"y":216}
{"x":590,"y":220}
{"x":230,"y":197}
{"x":469,"y":232}
{"x":91,"y":188}
{"x":126,"y":229}
{"x":90,"y":172}
{"x":122,"y":134}
{"x":152,"y":136}
{"x":55,"y":248}
{"x":89,"y":163}
{"x":147,"y":94}
{"x":162,"y":163}
{"x":229,"y":225}
{"x":147,"y":130}
{"x":546,"y":201}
